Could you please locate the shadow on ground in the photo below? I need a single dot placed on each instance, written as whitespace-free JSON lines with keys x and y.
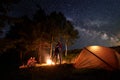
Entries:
{"x":59,"y":72}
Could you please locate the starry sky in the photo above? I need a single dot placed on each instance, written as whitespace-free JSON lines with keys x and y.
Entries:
{"x":98,"y":21}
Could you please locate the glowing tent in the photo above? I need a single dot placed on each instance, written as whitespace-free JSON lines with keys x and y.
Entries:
{"x":98,"y":57}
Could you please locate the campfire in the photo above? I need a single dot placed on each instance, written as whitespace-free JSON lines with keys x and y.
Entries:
{"x":49,"y":62}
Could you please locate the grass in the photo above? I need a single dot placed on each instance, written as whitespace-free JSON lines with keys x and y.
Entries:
{"x":60,"y":72}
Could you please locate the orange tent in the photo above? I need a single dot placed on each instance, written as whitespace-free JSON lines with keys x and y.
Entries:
{"x":98,"y":57}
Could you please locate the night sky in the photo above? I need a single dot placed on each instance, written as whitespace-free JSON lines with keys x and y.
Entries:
{"x":98,"y":21}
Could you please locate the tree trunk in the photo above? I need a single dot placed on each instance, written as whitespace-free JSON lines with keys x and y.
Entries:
{"x":21,"y":57}
{"x":51,"y":46}
{"x":66,"y":48}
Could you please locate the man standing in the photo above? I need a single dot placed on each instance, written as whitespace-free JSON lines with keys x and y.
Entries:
{"x":58,"y":52}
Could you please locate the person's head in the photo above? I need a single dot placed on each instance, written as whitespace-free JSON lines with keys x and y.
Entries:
{"x":30,"y":57}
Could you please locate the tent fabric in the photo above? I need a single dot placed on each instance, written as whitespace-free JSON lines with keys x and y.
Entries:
{"x":98,"y":57}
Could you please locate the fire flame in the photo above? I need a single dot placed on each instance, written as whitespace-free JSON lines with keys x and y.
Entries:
{"x":49,"y":62}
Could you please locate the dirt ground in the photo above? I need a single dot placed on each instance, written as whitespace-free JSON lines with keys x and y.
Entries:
{"x":59,"y":72}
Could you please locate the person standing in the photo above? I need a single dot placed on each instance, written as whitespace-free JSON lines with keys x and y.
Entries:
{"x":58,"y":52}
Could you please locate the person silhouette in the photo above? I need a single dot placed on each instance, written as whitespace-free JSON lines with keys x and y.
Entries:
{"x":58,"y":52}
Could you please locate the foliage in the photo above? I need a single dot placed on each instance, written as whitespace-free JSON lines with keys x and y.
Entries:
{"x":69,"y":33}
{"x":72,"y":54}
{"x":4,"y":9}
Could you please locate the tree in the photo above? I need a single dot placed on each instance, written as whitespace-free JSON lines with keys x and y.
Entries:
{"x":55,"y":23}
{"x":4,"y":9}
{"x":29,"y":34}
{"x":69,"y":35}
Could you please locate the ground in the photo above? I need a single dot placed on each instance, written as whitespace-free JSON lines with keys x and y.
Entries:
{"x":59,"y":72}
